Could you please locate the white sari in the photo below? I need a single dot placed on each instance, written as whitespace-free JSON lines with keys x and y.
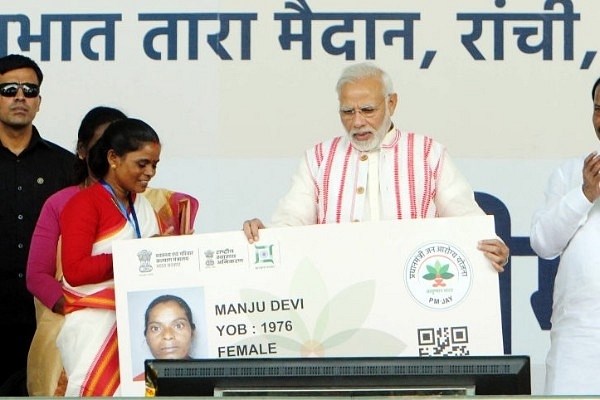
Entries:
{"x":87,"y":340}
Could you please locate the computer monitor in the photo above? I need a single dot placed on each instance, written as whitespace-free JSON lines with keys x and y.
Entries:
{"x":352,"y":376}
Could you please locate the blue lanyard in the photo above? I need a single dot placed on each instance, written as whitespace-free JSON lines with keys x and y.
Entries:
{"x":133,"y":218}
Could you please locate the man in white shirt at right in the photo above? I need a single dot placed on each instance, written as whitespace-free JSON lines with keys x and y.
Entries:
{"x":568,"y":226}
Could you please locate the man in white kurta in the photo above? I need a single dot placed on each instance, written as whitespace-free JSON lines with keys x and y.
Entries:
{"x":569,"y":226}
{"x":376,"y":171}
{"x":337,"y":183}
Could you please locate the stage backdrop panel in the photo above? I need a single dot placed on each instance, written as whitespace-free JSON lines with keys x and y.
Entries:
{"x":236,"y":97}
{"x":394,"y":288}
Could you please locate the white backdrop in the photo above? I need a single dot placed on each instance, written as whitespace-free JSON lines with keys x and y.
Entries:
{"x":234,"y":129}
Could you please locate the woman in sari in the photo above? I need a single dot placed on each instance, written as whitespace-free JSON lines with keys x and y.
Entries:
{"x":45,"y":376}
{"x":125,"y":160}
{"x":45,"y":373}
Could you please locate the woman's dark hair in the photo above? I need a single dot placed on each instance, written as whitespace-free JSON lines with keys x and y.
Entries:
{"x":165,"y":298}
{"x":122,"y":137}
{"x":91,"y":121}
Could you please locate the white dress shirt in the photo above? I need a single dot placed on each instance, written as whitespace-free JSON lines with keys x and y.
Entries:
{"x":569,"y":226}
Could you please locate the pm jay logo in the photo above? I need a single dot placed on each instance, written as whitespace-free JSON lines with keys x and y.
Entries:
{"x":438,"y":275}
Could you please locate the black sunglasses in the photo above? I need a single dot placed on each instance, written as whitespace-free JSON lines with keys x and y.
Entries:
{"x":10,"y":89}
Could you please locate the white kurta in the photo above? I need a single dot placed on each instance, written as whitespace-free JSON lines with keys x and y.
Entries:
{"x":410,"y":176}
{"x":569,"y":226}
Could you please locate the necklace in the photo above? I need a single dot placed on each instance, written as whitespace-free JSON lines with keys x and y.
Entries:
{"x":130,"y":217}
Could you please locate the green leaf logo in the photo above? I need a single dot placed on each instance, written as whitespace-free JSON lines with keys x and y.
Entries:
{"x":438,"y":273}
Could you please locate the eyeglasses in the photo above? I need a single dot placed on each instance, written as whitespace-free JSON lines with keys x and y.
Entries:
{"x":367,"y":111}
{"x":12,"y":88}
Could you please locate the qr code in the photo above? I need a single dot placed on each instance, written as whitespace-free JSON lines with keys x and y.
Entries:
{"x":443,"y":341}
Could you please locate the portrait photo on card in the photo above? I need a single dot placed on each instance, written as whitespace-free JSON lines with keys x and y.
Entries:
{"x":166,"y":324}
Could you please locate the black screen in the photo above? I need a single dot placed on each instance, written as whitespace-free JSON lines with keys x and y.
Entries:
{"x":371,"y":376}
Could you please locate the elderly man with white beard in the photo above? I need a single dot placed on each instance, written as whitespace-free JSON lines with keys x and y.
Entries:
{"x":376,"y":171}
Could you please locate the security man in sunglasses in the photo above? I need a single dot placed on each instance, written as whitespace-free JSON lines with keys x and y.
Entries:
{"x":31,"y":169}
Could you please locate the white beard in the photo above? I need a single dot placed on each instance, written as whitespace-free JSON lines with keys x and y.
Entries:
{"x":376,"y":139}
